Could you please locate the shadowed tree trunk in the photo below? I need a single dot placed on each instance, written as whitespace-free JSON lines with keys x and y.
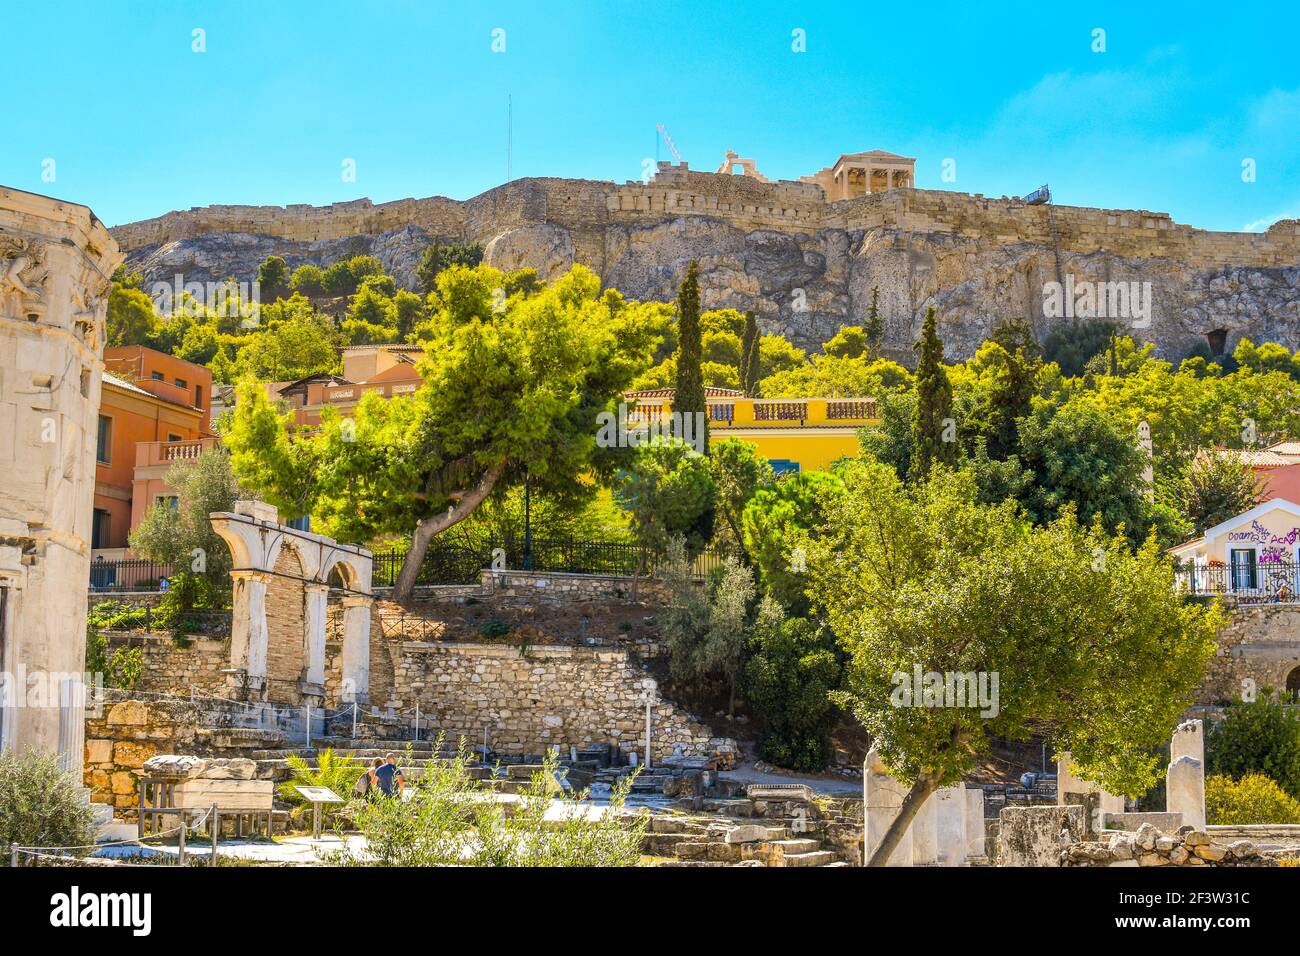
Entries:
{"x":926,"y":784}
{"x":427,"y":528}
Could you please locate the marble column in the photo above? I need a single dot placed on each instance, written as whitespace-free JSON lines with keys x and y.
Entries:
{"x":313,"y":678}
{"x":248,"y":633}
{"x":356,"y":648}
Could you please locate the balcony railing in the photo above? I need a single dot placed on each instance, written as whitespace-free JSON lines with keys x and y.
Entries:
{"x":165,"y":452}
{"x":1265,"y":582}
{"x":780,"y":411}
{"x":850,"y":408}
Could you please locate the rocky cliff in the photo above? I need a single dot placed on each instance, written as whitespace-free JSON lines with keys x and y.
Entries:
{"x":804,"y":265}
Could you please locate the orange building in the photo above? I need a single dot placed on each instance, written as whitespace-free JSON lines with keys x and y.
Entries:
{"x":389,"y":370}
{"x":154,"y":409}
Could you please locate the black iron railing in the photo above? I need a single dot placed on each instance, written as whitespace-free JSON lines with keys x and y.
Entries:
{"x":1260,"y":582}
{"x":127,"y":574}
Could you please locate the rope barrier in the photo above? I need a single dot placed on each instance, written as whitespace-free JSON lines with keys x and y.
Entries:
{"x":62,"y":851}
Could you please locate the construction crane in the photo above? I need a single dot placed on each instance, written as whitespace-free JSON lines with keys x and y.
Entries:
{"x":668,"y":141}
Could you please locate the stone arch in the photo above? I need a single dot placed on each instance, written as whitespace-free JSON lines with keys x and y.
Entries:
{"x":1293,"y":685}
{"x":281,"y":583}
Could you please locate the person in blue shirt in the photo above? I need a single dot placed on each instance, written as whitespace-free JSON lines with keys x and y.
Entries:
{"x":389,"y":777}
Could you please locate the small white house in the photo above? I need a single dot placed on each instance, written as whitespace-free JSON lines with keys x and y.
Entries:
{"x":1255,"y":555}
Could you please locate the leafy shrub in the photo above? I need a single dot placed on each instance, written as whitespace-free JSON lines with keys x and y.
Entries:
{"x":40,"y":804}
{"x":1259,"y":737}
{"x":789,"y":678}
{"x":494,"y":628}
{"x":122,"y":667}
{"x":1252,"y":799}
{"x":448,"y":823}
{"x":337,"y":772}
{"x":116,"y":616}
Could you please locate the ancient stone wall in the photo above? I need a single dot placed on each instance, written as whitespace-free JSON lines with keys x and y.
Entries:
{"x":1259,"y":642}
{"x":285,"y":647}
{"x":804,"y":265}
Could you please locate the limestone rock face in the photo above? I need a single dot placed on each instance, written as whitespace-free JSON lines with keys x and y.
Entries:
{"x":542,"y":246}
{"x":805,"y":266}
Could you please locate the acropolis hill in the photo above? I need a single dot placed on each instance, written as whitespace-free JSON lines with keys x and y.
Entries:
{"x":804,"y":263}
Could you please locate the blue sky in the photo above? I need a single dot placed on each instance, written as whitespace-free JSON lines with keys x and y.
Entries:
{"x":138,"y":124}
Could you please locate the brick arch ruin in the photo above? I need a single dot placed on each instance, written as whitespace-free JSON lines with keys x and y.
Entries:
{"x":281,"y":583}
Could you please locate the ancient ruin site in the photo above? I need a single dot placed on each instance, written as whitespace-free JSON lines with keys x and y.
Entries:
{"x":868,"y":479}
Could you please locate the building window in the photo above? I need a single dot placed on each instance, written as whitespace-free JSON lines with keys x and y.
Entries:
{"x":181,"y":383}
{"x":172,"y":436}
{"x":301,"y":524}
{"x":156,"y":376}
{"x":784,"y":466}
{"x":171,"y":501}
{"x":104,"y":440}
{"x":99,"y":529}
{"x":1242,"y":561}
{"x":198,"y":396}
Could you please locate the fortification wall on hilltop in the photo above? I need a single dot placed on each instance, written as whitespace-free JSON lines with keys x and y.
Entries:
{"x":586,"y":208}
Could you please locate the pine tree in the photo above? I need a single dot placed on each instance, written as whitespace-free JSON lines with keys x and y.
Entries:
{"x":934,"y":433}
{"x":749,"y":355}
{"x":875,"y":325}
{"x":688,"y":397}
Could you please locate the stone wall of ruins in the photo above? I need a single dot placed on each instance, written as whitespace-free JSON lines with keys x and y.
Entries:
{"x":1261,"y":643}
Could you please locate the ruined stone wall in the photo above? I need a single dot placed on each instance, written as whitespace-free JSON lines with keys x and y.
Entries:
{"x":286,"y":653}
{"x":1260,"y":642}
{"x":532,"y":698}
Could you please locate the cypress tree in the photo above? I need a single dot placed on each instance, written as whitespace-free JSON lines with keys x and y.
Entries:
{"x":688,"y":396}
{"x":748,"y":355}
{"x":932,"y":419}
{"x":875,"y":326}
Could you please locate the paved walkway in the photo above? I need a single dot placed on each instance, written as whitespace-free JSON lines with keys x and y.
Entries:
{"x":828,"y":785}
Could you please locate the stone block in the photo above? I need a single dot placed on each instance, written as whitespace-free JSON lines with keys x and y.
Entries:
{"x":1035,"y":836}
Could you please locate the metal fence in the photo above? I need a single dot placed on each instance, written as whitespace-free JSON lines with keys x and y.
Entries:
{"x":462,"y":565}
{"x":127,"y":574}
{"x":445,"y":564}
{"x":1262,"y":582}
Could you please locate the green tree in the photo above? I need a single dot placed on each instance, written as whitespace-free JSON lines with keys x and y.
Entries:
{"x":774,"y":524}
{"x":42,"y":805}
{"x":874,"y":327}
{"x":688,"y":395}
{"x":1080,"y":460}
{"x":181,"y":535}
{"x":706,"y":631}
{"x":307,"y":280}
{"x":273,"y":278}
{"x":849,"y":342}
{"x":925,"y":578}
{"x":1215,"y":487}
{"x":749,"y":355}
{"x":1070,"y":344}
{"x":793,"y":668}
{"x":1004,"y":388}
{"x":934,"y":436}
{"x":507,"y":392}
{"x":131,"y":319}
{"x":1262,"y":736}
{"x":738,"y":472}
{"x":438,"y":257}
{"x":669,"y":493}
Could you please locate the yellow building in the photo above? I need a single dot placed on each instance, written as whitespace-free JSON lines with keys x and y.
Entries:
{"x":794,"y":434}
